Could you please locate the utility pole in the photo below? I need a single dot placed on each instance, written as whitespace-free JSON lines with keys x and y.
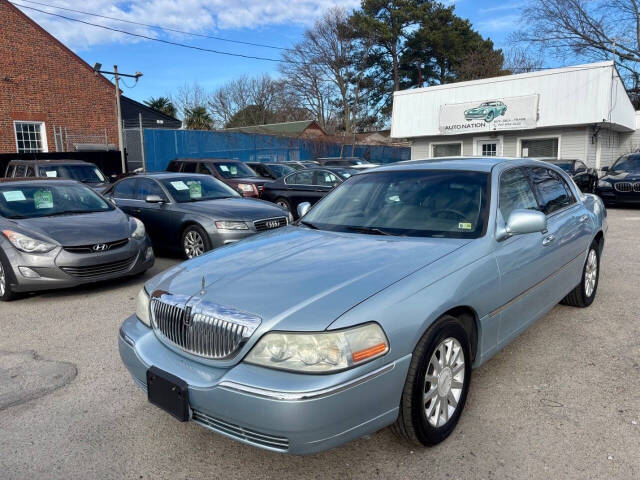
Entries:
{"x":117,"y":75}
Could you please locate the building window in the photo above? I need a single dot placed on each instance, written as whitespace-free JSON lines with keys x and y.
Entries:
{"x":489,"y":149}
{"x":447,"y":149}
{"x":540,"y":147}
{"x":30,"y":137}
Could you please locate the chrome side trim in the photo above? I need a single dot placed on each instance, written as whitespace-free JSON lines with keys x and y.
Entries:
{"x":126,"y":338}
{"x":309,"y":395}
{"x":530,"y":289}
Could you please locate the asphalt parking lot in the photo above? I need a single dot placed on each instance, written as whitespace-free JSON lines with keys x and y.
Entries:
{"x":562,"y":401}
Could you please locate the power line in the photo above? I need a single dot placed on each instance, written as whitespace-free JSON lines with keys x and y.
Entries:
{"x":146,"y":37}
{"x":158,"y":27}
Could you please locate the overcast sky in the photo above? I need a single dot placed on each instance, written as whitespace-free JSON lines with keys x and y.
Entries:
{"x":166,"y":67}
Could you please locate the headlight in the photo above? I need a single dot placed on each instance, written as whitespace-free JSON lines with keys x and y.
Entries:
{"x":224,"y":225}
{"x":27,"y":244}
{"x":139,"y":232}
{"x":142,"y":307}
{"x":246,"y":187}
{"x":320,"y":352}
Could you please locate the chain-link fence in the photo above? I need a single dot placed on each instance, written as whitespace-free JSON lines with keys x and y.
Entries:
{"x":72,"y":141}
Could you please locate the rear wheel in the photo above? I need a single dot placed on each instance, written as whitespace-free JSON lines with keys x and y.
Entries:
{"x":195,"y":241}
{"x":585,"y":292}
{"x":436,"y":388}
{"x":489,"y":116}
{"x":281,"y":202}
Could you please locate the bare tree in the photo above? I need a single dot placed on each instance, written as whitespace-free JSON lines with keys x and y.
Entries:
{"x":189,"y":96}
{"x":592,"y":29}
{"x":520,"y":60}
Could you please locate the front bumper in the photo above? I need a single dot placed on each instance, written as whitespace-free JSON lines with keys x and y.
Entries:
{"x":271,"y":409}
{"x":136,"y":257}
{"x":612,"y":196}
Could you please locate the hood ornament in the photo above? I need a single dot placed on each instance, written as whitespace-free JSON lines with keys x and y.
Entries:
{"x":202,"y":290}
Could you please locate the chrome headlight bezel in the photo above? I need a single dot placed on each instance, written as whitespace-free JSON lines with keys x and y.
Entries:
{"x":323,"y":352}
{"x":27,"y":244}
{"x":139,"y":232}
{"x":231,"y":225}
{"x":143,"y":307}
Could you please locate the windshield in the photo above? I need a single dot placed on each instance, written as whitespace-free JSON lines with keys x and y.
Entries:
{"x":281,"y":170}
{"x":566,"y":166}
{"x":628,"y":163}
{"x":31,"y":201}
{"x":195,"y":189}
{"x":234,"y":170}
{"x":82,"y":173}
{"x":344,"y":172}
{"x":413,"y":203}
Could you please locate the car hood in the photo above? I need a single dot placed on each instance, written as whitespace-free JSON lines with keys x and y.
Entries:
{"x":301,"y":279}
{"x":78,"y":229}
{"x":622,"y":177}
{"x":234,"y":208}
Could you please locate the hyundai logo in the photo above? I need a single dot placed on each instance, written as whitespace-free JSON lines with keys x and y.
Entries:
{"x":273,"y":224}
{"x":100,"y":247}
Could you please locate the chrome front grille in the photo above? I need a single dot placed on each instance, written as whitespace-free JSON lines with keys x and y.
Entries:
{"x":98,"y":247}
{"x":199,"y":327}
{"x":623,"y":187}
{"x":271,"y":442}
{"x":636,"y":187}
{"x":270,"y":223}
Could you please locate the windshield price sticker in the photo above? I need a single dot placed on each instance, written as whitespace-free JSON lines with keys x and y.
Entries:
{"x":464,"y":226}
{"x":195,"y":190}
{"x":51,"y":174}
{"x":179,"y":185}
{"x":43,"y":199}
{"x":14,"y":196}
{"x":224,"y":168}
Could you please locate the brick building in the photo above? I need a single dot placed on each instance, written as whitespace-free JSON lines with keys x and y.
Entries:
{"x":50,"y":99}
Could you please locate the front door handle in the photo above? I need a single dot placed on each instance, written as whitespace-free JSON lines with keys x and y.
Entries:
{"x":584,"y":218}
{"x":136,"y":210}
{"x":548,"y":240}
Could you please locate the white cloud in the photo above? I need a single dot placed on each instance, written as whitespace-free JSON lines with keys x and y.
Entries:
{"x":503,"y":7}
{"x":195,"y":16}
{"x":506,"y":22}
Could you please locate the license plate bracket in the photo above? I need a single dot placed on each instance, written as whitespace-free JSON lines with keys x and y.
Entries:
{"x":168,"y":392}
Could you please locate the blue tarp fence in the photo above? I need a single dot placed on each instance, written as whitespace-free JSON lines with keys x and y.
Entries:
{"x":162,"y":146}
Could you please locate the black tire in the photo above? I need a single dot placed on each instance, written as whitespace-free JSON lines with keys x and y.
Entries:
{"x":6,"y":294}
{"x":489,"y":117}
{"x":412,"y":423}
{"x":190,"y":232}
{"x":578,"y":296}
{"x":284,"y":203}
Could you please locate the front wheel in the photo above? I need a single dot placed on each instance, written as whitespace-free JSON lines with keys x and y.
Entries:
{"x":489,"y":117}
{"x":585,"y":292}
{"x":6,"y":294}
{"x":194,"y":241}
{"x":436,"y":387}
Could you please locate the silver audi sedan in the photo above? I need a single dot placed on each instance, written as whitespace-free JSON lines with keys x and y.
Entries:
{"x":60,"y":233}
{"x":372,"y":310}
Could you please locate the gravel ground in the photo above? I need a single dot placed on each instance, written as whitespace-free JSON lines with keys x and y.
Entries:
{"x":561,"y":401}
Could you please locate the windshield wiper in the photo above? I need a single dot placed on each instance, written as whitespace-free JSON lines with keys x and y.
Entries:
{"x":371,"y":231}
{"x":308,"y":224}
{"x":72,"y":212}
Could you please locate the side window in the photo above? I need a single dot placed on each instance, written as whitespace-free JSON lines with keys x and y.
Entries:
{"x":553,"y":192}
{"x":126,"y":189}
{"x":189,"y":167}
{"x":19,"y":171}
{"x":10,"y":171}
{"x":173,"y":166}
{"x":580,"y":167}
{"x":326,"y":179}
{"x":204,"y":169}
{"x":301,"y":178}
{"x":30,"y":171}
{"x":515,"y":192}
{"x":148,"y":187}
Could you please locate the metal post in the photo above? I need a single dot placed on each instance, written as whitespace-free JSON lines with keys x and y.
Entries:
{"x":144,"y":160}
{"x":119,"y":115}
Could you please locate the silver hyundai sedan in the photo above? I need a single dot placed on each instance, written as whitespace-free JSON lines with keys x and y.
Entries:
{"x":373,"y":310}
{"x":60,"y":233}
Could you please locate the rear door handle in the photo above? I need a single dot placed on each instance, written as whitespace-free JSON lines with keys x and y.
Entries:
{"x":548,"y":240}
{"x":584,"y":218}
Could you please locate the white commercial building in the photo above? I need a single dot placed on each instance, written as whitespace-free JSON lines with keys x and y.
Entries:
{"x":581,"y":112}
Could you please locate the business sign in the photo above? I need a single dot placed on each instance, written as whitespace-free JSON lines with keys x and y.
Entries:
{"x":513,"y":113}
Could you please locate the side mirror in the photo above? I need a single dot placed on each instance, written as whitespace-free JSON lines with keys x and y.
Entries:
{"x":521,"y":222}
{"x":303,"y":208}
{"x":154,"y":199}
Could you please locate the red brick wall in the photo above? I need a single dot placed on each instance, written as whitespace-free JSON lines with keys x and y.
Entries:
{"x":42,"y":80}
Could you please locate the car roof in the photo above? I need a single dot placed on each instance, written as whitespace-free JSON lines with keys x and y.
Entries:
{"x":36,"y":180}
{"x":476,"y":164}
{"x":51,"y":162}
{"x":209,"y":160}
{"x":161,"y":175}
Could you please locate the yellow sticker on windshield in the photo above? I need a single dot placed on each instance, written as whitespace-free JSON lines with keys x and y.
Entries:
{"x":464,"y":226}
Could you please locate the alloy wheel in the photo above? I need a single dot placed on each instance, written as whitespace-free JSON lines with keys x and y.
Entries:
{"x":443,"y":382}
{"x":193,"y":244}
{"x":3,"y":281}
{"x":283,"y":204}
{"x":590,"y":273}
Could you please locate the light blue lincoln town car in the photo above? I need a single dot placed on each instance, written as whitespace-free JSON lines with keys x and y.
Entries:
{"x":373,"y":310}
